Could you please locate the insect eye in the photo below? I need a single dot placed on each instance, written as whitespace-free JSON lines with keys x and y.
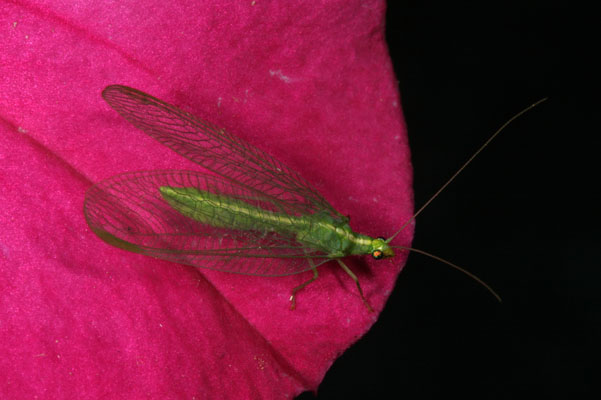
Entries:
{"x":382,"y":238}
{"x":377,"y":254}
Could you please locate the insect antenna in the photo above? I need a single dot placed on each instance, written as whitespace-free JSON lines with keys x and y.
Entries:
{"x":442,"y":260}
{"x":443,"y":187}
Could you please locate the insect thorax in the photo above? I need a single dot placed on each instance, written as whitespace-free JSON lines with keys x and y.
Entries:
{"x":333,"y":236}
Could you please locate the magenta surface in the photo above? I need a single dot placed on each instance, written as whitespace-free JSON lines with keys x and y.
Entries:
{"x":310,"y":83}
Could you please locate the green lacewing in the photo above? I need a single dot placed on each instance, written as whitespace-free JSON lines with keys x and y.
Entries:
{"x":247,"y":205}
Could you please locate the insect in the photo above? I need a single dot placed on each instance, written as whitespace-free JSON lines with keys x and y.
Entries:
{"x":247,"y":205}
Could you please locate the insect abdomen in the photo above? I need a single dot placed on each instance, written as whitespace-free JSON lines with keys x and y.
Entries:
{"x":222,"y":211}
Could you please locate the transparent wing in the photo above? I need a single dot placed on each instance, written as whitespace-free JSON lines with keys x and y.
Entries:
{"x":129,"y":212}
{"x":216,"y":150}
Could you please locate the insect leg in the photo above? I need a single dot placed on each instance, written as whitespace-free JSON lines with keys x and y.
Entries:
{"x":302,"y":285}
{"x":354,"y":277}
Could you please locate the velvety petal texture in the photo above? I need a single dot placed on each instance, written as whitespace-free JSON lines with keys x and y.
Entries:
{"x":311,"y":83}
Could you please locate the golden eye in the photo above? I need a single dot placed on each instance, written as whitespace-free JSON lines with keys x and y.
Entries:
{"x":377,"y":254}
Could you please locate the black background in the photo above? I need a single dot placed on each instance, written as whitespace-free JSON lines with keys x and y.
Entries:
{"x":524,"y":216}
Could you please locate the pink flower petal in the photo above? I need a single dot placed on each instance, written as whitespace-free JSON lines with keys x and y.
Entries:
{"x":313,"y":86}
